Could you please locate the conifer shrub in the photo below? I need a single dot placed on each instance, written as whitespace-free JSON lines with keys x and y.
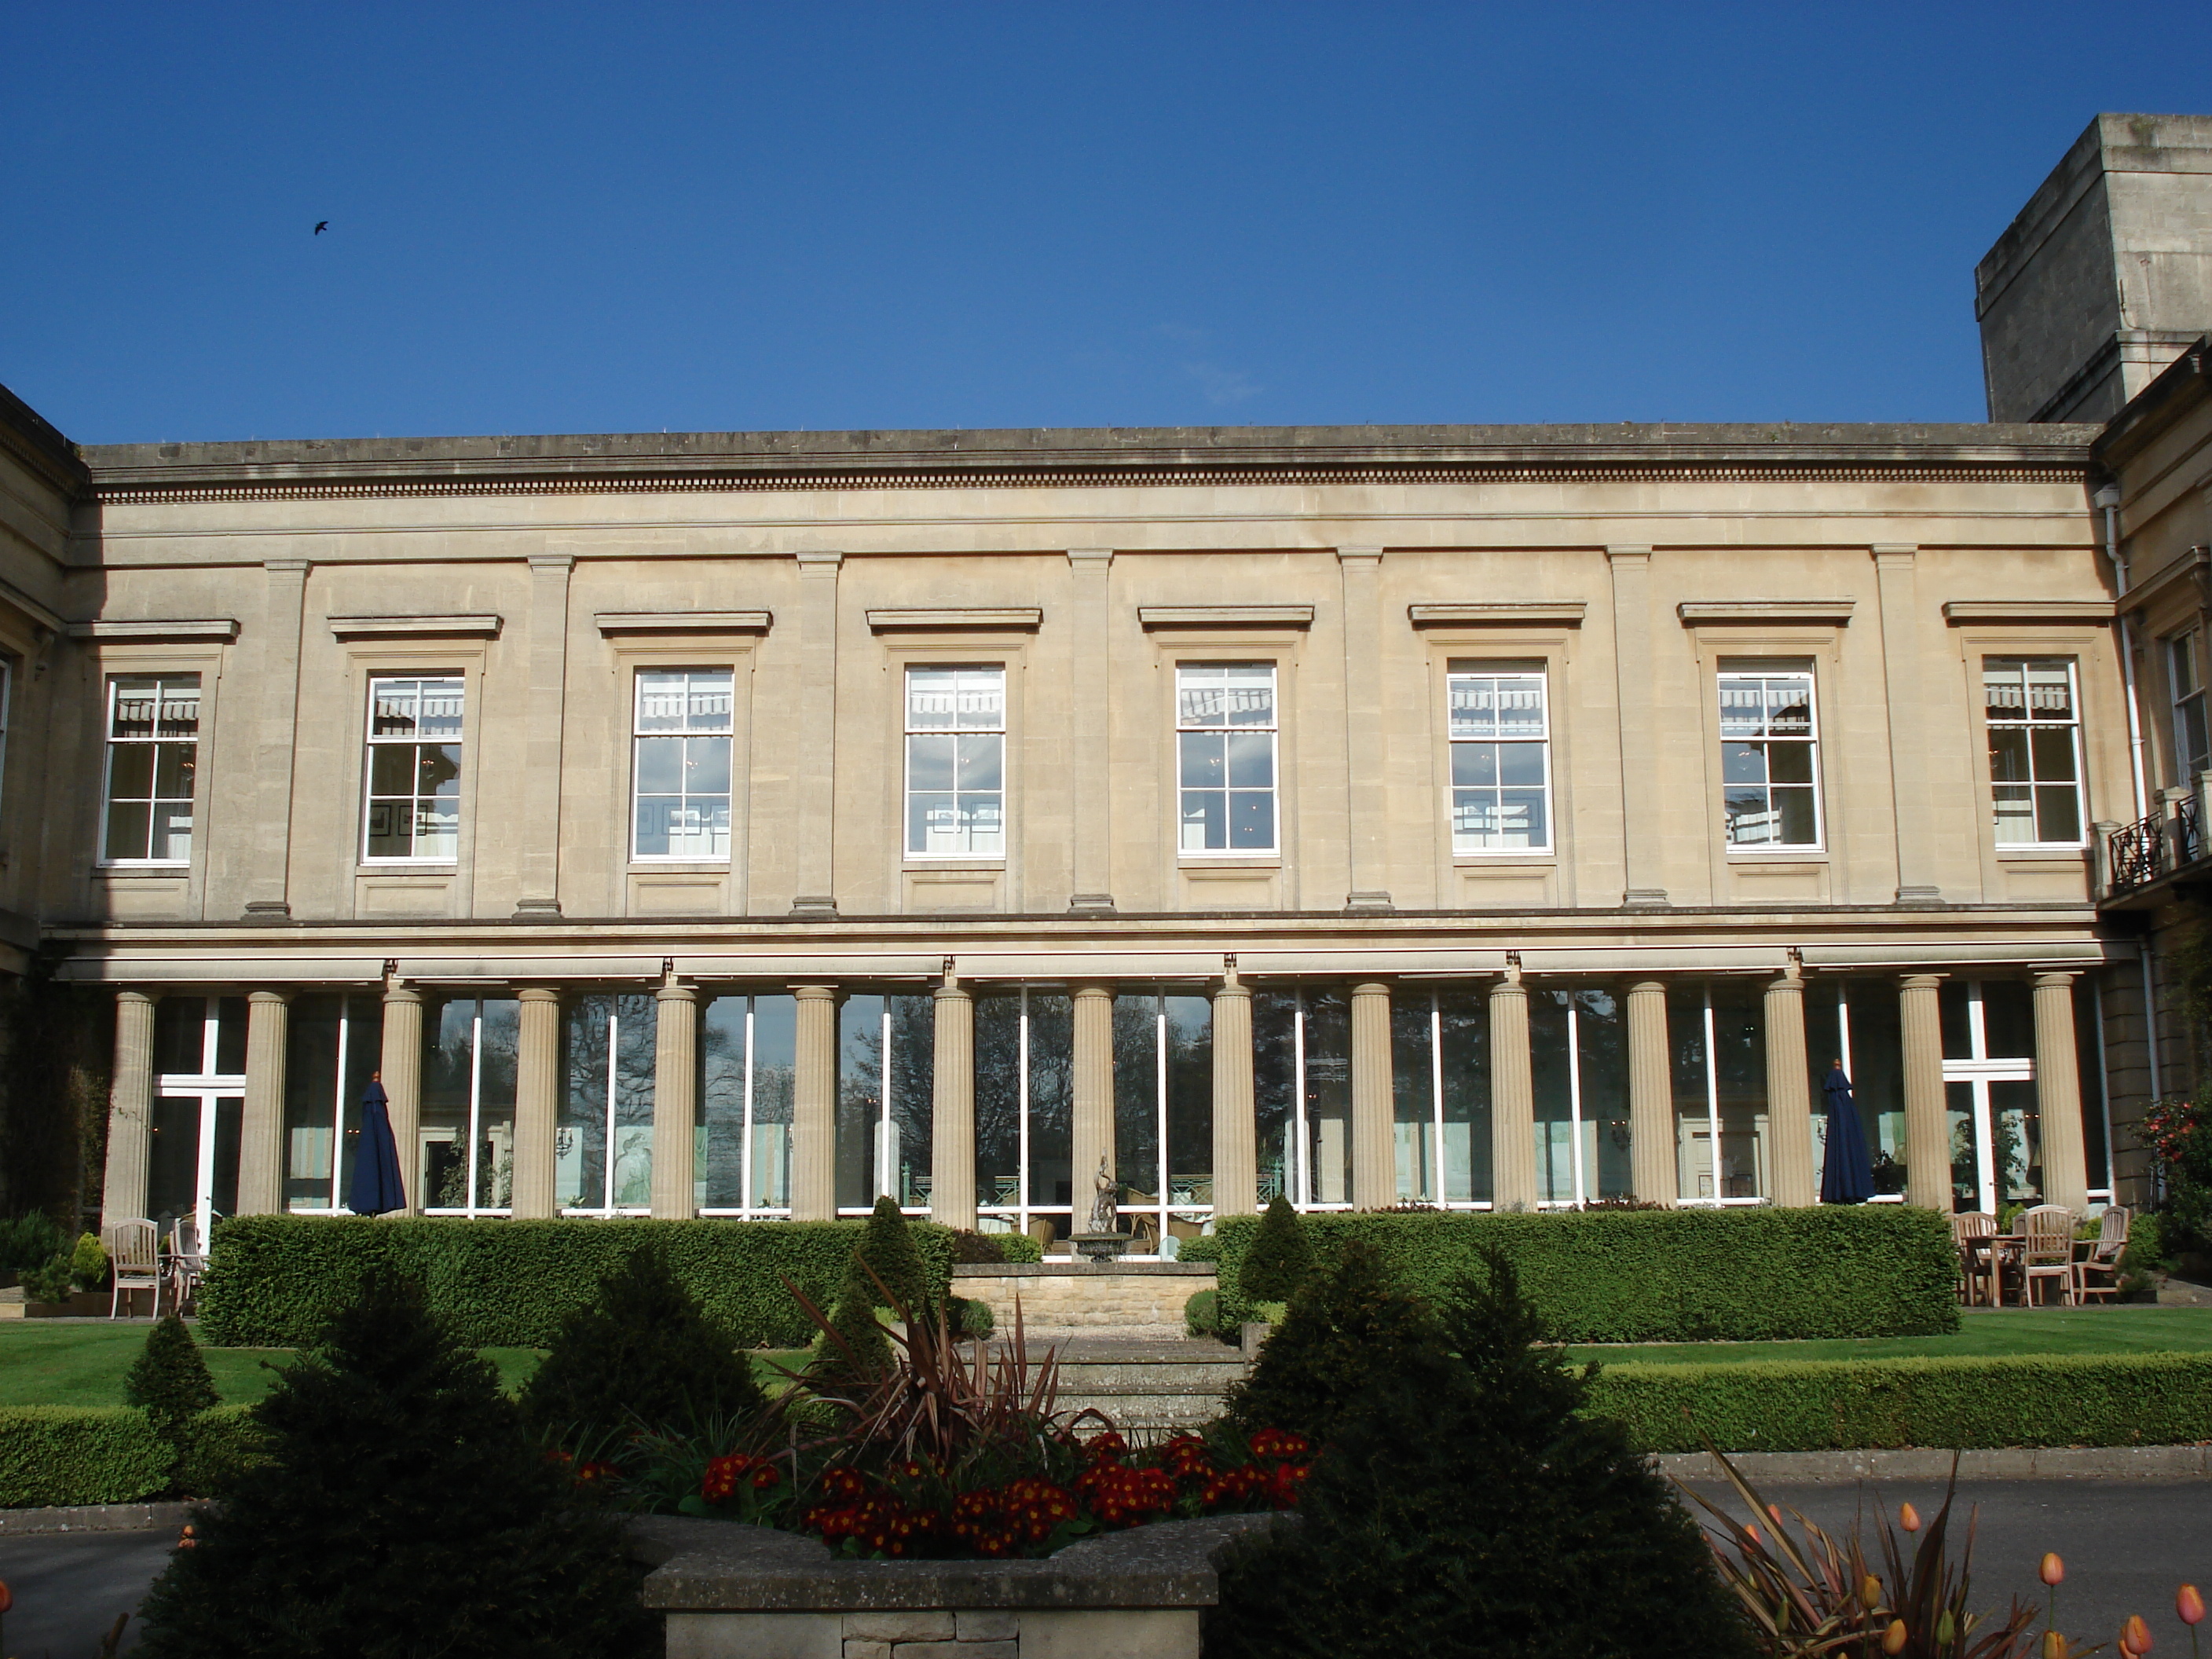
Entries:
{"x":1278,"y":1258}
{"x":49,"y":1282}
{"x":855,"y":1351}
{"x":975,"y":1250}
{"x":88,"y":1263}
{"x":1348,"y":1324}
{"x":402,"y":1508}
{"x":887,"y":1245}
{"x":643,"y":1354}
{"x":29,"y":1240}
{"x":1463,"y":1506}
{"x":169,"y":1382}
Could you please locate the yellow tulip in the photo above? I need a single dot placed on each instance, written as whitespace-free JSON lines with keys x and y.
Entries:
{"x":1893,"y":1638}
{"x":1870,"y":1591}
{"x":2054,"y":1644}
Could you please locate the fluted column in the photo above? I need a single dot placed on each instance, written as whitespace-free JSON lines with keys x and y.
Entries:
{"x":814,"y":1105}
{"x":400,"y":1068}
{"x":261,"y":1121}
{"x":952,"y":1107}
{"x":1788,"y":1094}
{"x":1512,"y":1097}
{"x":675,"y":1098}
{"x":537,"y":1099}
{"x":130,"y":1111}
{"x":1092,"y":1092}
{"x":1655,"y":1170}
{"x":1927,"y":1125}
{"x":1374,"y":1145}
{"x":1236,"y":1128}
{"x":2058,"y":1094}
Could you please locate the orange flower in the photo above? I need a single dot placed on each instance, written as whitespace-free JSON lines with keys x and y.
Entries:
{"x":2053,"y":1570}
{"x":1893,"y":1638}
{"x":2134,"y":1635}
{"x":2054,"y":1644}
{"x":1870,"y":1591}
{"x":1908,"y":1517}
{"x":2189,"y":1604}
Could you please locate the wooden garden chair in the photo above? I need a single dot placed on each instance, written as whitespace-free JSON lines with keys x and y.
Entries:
{"x":134,"y":1256}
{"x":2046,"y":1251}
{"x":1977,"y":1261}
{"x":2103,"y":1257}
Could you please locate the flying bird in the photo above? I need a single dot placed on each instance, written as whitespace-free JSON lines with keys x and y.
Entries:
{"x":321,"y":225}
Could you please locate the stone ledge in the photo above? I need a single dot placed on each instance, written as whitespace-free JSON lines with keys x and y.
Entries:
{"x":93,"y":1517}
{"x":1932,"y":1463}
{"x":1065,"y":1269}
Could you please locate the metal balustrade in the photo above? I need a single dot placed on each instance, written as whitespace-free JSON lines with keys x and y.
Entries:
{"x":2136,"y":853}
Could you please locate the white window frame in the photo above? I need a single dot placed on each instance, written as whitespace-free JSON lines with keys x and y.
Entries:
{"x":1191,"y":675}
{"x":968,"y":679}
{"x":111,"y":743}
{"x":2072,"y":726}
{"x":371,"y":743}
{"x":695,"y":681}
{"x":1723,"y":679}
{"x":1457,"y":678}
{"x":2185,"y":672}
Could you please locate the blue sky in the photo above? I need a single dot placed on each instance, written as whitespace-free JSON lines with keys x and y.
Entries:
{"x":629,"y":218}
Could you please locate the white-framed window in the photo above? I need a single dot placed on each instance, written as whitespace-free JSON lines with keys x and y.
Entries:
{"x":955,"y":762}
{"x":1770,"y":759}
{"x":2192,"y":740}
{"x":1226,"y":732}
{"x":1501,"y":761}
{"x":680,"y":764}
{"x":412,"y":808}
{"x":153,"y":757}
{"x":2035,"y":750}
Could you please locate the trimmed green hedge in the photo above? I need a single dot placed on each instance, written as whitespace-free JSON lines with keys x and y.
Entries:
{"x":80,"y":1454}
{"x":1815,"y":1405}
{"x":1019,"y":1247}
{"x":1736,"y":1275}
{"x":273,"y":1280}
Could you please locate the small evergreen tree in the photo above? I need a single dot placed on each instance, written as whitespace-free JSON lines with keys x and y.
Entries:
{"x":1464,"y":1507}
{"x":865,"y":1352}
{"x":169,"y":1379}
{"x":402,"y":1510}
{"x":1280,"y":1255}
{"x":887,"y":1245}
{"x":642,"y":1352}
{"x":1348,"y":1324}
{"x":88,"y":1263}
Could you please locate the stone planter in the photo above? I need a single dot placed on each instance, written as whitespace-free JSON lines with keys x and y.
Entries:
{"x":733,"y":1592}
{"x":81,"y":1305}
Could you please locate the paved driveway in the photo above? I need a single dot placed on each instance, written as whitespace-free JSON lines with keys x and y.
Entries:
{"x":69,"y":1588}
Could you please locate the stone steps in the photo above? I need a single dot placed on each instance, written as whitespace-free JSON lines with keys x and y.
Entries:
{"x":1148,"y":1389}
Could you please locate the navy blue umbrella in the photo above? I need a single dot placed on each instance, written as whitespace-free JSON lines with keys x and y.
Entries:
{"x":376,"y":1186}
{"x":1845,"y":1177}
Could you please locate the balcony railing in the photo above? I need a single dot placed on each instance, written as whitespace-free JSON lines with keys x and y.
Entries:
{"x":2134,"y":855}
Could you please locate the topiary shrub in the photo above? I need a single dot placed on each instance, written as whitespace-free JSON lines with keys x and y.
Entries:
{"x":642,"y":1353}
{"x":973,"y":1249}
{"x":855,"y":1351}
{"x":1349,"y":1325}
{"x":1279,"y":1256}
{"x":1463,"y":1506}
{"x":1201,"y":1312}
{"x":401,"y":1501}
{"x":973,"y":1319}
{"x":887,"y":1246}
{"x":88,"y":1263}
{"x":170,"y":1383}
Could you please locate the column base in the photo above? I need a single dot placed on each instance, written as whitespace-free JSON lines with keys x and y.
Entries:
{"x":1370,"y":903}
{"x":1920,"y":898}
{"x":1091,"y":904}
{"x":1645,"y":898}
{"x":268,"y":910}
{"x":538,"y":909}
{"x":813,"y":904}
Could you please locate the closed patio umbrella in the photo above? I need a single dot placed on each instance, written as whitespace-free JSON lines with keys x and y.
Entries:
{"x":1845,"y":1177}
{"x":376,"y":1186}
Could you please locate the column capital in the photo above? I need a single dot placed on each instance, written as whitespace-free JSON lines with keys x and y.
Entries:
{"x":1922,"y":982}
{"x":676,"y":990}
{"x":1791,"y":979}
{"x":399,"y":990}
{"x":1368,"y":555}
{"x":1371,"y":987}
{"x":132,"y":994}
{"x":1096,"y":557}
{"x":1648,"y":986}
{"x":288,"y":566}
{"x":2056,"y":978}
{"x":1092,"y":988}
{"x":818,"y":561}
{"x":1628,"y":554}
{"x":1895,"y":552}
{"x":812,"y":992}
{"x":545,"y":562}
{"x":538,"y":993}
{"x":265,"y":996}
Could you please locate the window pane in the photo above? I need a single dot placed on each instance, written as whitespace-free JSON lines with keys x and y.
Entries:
{"x":391,"y":769}
{"x":172,"y":770}
{"x":1205,"y":820}
{"x":132,"y":706}
{"x":1475,"y":764}
{"x":391,"y":708}
{"x":437,"y":831}
{"x":1743,"y":762}
{"x":1204,"y":762}
{"x":2053,"y":754}
{"x":2058,"y":814}
{"x":983,"y":700}
{"x":173,"y":833}
{"x":1522,"y":819}
{"x":1251,"y":695}
{"x":979,"y":761}
{"x":1252,"y":761}
{"x":1251,"y":820}
{"x":1795,"y":808}
{"x":661,"y":702}
{"x":438,"y":771}
{"x":2008,"y":755}
{"x":1789,"y":763}
{"x":1521,"y":763}
{"x":659,"y":765}
{"x":127,"y":829}
{"x":655,"y":815}
{"x":928,"y":823}
{"x":931,"y":700}
{"x":1200,"y":697}
{"x":1471,"y":705}
{"x":929,"y":762}
{"x":130,"y":771}
{"x":707,"y":765}
{"x":709,"y":702}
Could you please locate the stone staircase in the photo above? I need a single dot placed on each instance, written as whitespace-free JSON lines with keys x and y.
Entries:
{"x":1150,"y":1389}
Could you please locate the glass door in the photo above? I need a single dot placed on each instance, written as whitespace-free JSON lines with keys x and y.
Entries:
{"x":199,"y":1100}
{"x":1989,"y":1089}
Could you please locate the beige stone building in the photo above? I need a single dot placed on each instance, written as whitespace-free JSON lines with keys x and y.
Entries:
{"x":752,"y":824}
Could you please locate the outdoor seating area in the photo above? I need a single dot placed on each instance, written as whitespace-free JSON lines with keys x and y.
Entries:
{"x":144,"y":1260}
{"x":1999,"y":1269}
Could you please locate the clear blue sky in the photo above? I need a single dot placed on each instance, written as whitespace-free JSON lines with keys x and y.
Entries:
{"x":554,"y":218}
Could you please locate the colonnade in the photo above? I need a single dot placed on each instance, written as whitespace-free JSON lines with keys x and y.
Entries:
{"x":540,"y":1070}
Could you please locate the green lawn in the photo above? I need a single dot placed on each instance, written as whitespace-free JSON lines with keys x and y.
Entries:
{"x":44,"y":1363}
{"x":1982,"y":1331}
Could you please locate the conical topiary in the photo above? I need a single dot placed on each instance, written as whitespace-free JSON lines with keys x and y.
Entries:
{"x":1464,"y":1507}
{"x":887,"y":1245}
{"x":642,"y":1352}
{"x":169,"y":1379}
{"x":402,"y":1508}
{"x":1348,"y":1324}
{"x":859,"y":1352}
{"x":1278,"y":1258}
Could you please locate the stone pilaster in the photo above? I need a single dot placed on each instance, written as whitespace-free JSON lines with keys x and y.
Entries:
{"x":1090,"y":730}
{"x":1654,"y":1168}
{"x":399,"y":1064}
{"x":130,"y":1111}
{"x":952,"y":1107}
{"x":1913,"y":807}
{"x":275,"y":749}
{"x":261,"y":1121}
{"x":539,"y":823}
{"x":815,"y":771}
{"x":537,"y":1100}
{"x":1091,"y":1082}
{"x":814,"y":1105}
{"x":1790,"y":1095}
{"x":1374,"y":1141}
{"x":1367,"y":819}
{"x":1640,"y":780}
{"x":1512,"y":1097}
{"x":1235,"y":1127}
{"x":1927,"y":1125}
{"x":675,"y":1098}
{"x":2058,"y":1094}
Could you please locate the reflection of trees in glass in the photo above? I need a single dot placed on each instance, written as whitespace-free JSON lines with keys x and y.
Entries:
{"x":998,"y":1019}
{"x":1274,"y":1083}
{"x":1137,"y":1096}
{"x":581,"y":1137}
{"x":860,"y":1114}
{"x":722,"y":1102}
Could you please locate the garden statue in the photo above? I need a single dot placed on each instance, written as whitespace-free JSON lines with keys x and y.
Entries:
{"x":1105,"y":1214}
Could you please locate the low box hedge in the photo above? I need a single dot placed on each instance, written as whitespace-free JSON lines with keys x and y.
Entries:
{"x":1739,"y":1275}
{"x":71,"y":1455}
{"x":273,"y":1281}
{"x":1815,"y":1405}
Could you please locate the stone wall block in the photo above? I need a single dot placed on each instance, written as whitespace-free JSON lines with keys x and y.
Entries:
{"x":976,"y":1626}
{"x":1111,"y":1633}
{"x":933,"y":1626}
{"x":756,"y":1636}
